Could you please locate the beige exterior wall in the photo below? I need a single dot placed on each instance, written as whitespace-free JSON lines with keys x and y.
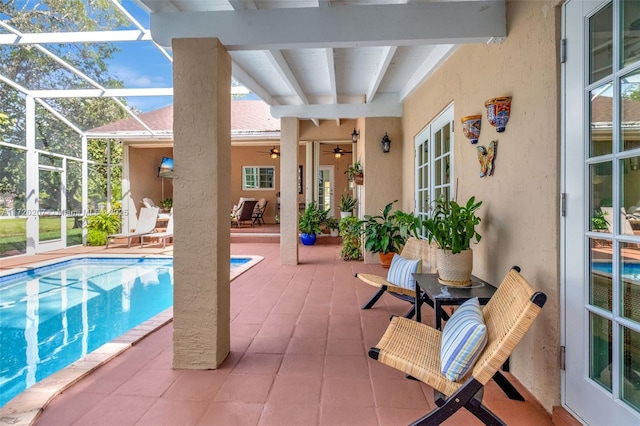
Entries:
{"x":144,"y":180}
{"x":382,"y":171}
{"x":143,"y":175}
{"x":520,"y":208}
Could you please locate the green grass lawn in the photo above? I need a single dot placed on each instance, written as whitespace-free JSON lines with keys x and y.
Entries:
{"x":13,"y":234}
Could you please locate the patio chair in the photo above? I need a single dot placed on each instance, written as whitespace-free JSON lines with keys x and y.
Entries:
{"x":161,"y":236}
{"x":146,"y":224}
{"x":244,"y":213}
{"x":258,"y":211}
{"x":414,"y":248}
{"x":148,"y":202}
{"x":418,"y":349}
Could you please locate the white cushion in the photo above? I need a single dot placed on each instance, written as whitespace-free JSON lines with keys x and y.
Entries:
{"x":401,"y":270}
{"x":463,"y":339}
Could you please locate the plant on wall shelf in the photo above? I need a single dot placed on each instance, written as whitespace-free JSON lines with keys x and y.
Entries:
{"x":354,"y":172}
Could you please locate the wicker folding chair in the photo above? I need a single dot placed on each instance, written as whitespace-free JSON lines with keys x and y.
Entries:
{"x":415,"y":248}
{"x":414,"y":348}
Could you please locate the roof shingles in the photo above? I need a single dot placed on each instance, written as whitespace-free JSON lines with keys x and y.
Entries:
{"x":246,"y":116}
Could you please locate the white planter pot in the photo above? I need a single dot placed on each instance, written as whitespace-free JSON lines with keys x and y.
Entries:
{"x":345,"y":214}
{"x":335,"y":233}
{"x":455,"y":269}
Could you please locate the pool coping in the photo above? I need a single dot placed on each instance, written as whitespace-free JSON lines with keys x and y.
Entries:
{"x":24,"y":408}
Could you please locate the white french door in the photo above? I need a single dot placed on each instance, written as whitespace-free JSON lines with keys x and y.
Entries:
{"x":326,"y":189}
{"x":601,"y":179}
{"x":434,"y":162}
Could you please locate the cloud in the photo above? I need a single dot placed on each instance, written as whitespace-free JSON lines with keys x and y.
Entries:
{"x":134,"y":79}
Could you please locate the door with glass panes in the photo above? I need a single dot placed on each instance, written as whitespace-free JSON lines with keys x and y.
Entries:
{"x":601,"y":227}
{"x":434,"y":162}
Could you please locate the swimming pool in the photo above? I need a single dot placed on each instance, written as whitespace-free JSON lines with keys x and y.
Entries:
{"x":54,"y":315}
{"x":630,"y":270}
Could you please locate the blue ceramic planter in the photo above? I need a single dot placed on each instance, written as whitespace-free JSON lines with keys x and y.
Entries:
{"x":308,"y":239}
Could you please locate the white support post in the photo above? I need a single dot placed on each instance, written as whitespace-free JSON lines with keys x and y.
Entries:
{"x":32,"y":181}
{"x":85,"y":187}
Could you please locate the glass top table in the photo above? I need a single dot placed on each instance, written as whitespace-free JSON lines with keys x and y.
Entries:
{"x":443,"y":295}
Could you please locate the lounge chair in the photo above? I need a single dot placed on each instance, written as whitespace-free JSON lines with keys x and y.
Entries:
{"x":418,"y":350}
{"x":414,"y":248}
{"x":161,"y":236}
{"x":244,"y":212}
{"x":146,"y":224}
{"x":148,"y":202}
{"x":258,"y":211}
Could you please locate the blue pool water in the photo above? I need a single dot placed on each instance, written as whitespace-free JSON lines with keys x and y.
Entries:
{"x":54,"y":315}
{"x":629,"y":270}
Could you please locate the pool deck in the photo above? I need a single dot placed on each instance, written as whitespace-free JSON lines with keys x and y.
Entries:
{"x":298,"y":357}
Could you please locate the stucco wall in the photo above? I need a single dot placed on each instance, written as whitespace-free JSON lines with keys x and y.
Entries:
{"x":144,"y":180}
{"x":520,"y":208}
{"x":258,"y":156}
{"x":382,"y":171}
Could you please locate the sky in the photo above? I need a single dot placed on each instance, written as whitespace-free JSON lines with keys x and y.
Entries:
{"x":142,"y":65}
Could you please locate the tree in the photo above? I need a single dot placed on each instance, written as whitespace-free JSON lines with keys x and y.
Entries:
{"x":32,"y":68}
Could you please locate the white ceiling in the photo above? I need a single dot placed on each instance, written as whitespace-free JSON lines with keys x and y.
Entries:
{"x":323,"y":59}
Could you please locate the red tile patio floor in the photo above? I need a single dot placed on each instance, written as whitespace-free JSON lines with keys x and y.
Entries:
{"x":299,"y":344}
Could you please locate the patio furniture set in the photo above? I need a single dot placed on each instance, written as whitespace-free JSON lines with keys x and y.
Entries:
{"x":456,"y":360}
{"x":146,"y":228}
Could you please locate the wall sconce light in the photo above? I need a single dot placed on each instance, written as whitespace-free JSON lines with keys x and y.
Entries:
{"x":355,"y":136}
{"x":386,"y":143}
{"x":633,"y":163}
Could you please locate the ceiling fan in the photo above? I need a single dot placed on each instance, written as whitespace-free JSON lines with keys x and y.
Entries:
{"x":338,"y":152}
{"x":273,"y":152}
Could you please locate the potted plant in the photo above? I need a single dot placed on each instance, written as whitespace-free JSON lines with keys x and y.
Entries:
{"x":309,"y":223}
{"x":166,"y":204}
{"x":452,"y":227}
{"x":332,"y":223}
{"x":355,"y":174}
{"x":347,"y":205}
{"x":351,"y":231}
{"x":387,"y":233}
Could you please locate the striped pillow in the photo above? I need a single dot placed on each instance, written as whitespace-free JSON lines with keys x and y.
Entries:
{"x":463,"y":339}
{"x":400,"y":271}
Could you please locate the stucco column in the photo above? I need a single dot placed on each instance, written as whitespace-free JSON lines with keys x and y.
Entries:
{"x":289,"y":129}
{"x":202,"y":163}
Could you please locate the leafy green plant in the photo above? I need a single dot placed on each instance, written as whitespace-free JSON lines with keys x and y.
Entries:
{"x":347,"y":203}
{"x":101,"y":225}
{"x":167,"y":203}
{"x":332,"y":222}
{"x":350,"y":231}
{"x":353,"y":170}
{"x":452,"y":225}
{"x":598,"y":221}
{"x":388,"y":232}
{"x":310,"y":220}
